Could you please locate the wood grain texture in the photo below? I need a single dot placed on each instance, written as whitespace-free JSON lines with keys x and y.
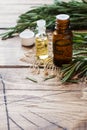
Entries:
{"x":11,"y":51}
{"x":25,"y":105}
{"x":11,"y":9}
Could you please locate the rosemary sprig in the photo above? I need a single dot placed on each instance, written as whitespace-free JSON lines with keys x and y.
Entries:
{"x":75,"y":70}
{"x":76,"y":10}
{"x":78,"y":67}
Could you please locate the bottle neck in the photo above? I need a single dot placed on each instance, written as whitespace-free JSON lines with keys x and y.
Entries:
{"x":62,"y":25}
{"x":41,"y":30}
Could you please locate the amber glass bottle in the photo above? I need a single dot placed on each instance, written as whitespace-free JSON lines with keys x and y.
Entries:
{"x":62,"y":41}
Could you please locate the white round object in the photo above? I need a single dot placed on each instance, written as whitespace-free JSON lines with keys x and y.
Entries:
{"x":62,"y":16}
{"x":27,"y":37}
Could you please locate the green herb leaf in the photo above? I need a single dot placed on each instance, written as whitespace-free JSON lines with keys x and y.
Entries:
{"x":31,"y":79}
{"x":76,"y":10}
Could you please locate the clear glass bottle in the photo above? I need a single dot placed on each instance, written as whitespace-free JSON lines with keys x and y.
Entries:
{"x":41,"y":40}
{"x":62,"y":41}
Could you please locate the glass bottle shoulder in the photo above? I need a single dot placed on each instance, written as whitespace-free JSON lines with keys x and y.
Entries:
{"x":62,"y":34}
{"x":41,"y":36}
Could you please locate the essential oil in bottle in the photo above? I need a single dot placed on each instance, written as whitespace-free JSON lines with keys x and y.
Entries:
{"x":41,"y":40}
{"x":62,"y":41}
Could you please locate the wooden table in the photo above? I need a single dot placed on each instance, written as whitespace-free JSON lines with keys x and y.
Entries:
{"x":26,"y":105}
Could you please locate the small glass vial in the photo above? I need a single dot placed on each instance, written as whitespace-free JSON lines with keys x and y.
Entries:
{"x":41,"y":40}
{"x":62,"y":41}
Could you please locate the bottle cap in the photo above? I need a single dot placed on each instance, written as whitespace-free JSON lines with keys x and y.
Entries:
{"x":27,"y":37}
{"x":62,"y":17}
{"x":41,"y":22}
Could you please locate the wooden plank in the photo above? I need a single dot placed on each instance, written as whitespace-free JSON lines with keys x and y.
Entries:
{"x":10,"y":10}
{"x":9,"y":14}
{"x":25,"y":2}
{"x":41,"y":106}
{"x":37,"y":106}
{"x":15,"y":9}
{"x":3,"y":108}
{"x":11,"y":51}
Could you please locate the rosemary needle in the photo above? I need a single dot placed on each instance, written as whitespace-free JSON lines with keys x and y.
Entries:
{"x":33,"y":80}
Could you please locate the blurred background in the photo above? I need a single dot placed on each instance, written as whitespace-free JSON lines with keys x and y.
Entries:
{"x":11,"y":9}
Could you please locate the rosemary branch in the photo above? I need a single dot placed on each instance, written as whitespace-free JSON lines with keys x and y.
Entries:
{"x":76,"y":10}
